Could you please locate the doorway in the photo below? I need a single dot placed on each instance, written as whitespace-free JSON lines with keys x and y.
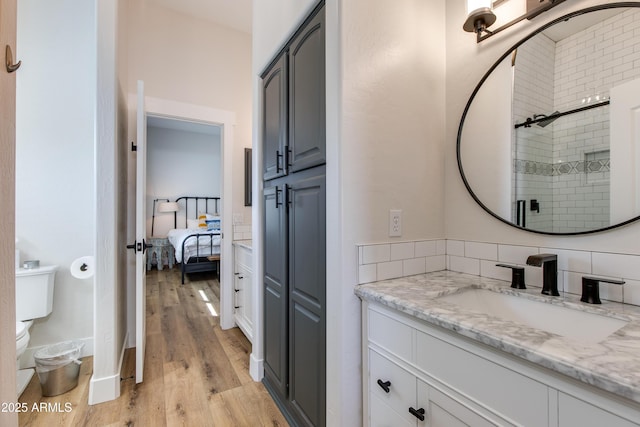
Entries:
{"x":178,"y":114}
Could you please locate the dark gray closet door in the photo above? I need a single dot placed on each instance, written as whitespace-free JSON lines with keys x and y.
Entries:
{"x":274,"y":92}
{"x":307,"y":294}
{"x":307,"y":122}
{"x":275,"y":288}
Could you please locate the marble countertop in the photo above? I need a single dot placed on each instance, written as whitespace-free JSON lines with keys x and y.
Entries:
{"x":244,"y":243}
{"x":612,"y":364}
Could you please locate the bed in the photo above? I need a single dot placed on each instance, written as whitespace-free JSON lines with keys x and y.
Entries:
{"x":197,"y":248}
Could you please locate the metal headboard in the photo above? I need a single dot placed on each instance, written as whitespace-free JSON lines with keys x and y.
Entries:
{"x":197,"y":202}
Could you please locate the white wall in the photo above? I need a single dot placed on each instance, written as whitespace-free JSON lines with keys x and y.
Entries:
{"x":56,"y":99}
{"x":180,"y":163}
{"x":466,"y":63}
{"x":185,"y":59}
{"x":385,"y":97}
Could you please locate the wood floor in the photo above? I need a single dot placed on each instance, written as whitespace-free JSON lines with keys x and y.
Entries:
{"x":195,"y":373}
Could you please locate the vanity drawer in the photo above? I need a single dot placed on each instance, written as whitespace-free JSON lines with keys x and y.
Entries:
{"x":390,"y":334}
{"x":402,"y":387}
{"x":510,"y":394}
{"x":383,"y":416}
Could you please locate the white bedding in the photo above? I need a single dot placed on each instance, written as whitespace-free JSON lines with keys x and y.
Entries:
{"x":177,"y":236}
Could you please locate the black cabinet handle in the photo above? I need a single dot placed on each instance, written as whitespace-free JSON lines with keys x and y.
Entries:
{"x":278,"y":157}
{"x":278,"y":202}
{"x":418,"y":413}
{"x":385,"y":385}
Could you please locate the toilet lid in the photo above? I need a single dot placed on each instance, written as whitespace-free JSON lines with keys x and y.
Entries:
{"x":21,"y":330}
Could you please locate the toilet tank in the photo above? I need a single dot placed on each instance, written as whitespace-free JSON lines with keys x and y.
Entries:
{"x":34,"y":292}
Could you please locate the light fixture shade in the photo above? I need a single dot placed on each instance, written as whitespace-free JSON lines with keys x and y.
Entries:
{"x":474,"y":5}
{"x":479,"y":16}
{"x":168,"y":207}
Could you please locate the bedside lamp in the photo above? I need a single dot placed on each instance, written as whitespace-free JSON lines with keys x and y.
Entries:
{"x":164,"y":207}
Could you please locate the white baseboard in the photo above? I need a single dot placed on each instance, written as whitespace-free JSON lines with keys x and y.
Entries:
{"x":107,"y":388}
{"x":256,"y":368}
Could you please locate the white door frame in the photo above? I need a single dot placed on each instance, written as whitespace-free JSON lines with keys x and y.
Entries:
{"x":226,"y":120}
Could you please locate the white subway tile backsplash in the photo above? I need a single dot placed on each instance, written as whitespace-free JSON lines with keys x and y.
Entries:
{"x":426,"y":248}
{"x":573,"y":283}
{"x":487,"y":251}
{"x":455,"y":247}
{"x":367,"y":273}
{"x":576,"y":261}
{"x":393,"y":260}
{"x":611,"y":292}
{"x":515,"y":254}
{"x":414,"y":266}
{"x":616,"y":265}
{"x":489,"y":269}
{"x":631,"y":290}
{"x":376,"y":253}
{"x":389,"y":270}
{"x":436,"y":263}
{"x":464,"y":265}
{"x":401,"y":251}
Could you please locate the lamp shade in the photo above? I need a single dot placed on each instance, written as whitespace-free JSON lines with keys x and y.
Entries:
{"x":479,"y":16}
{"x":474,"y":5}
{"x":168,"y":207}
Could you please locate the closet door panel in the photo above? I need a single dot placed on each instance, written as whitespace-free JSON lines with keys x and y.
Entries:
{"x":275,"y":289}
{"x":307,"y":97}
{"x":274,"y":125}
{"x":307,"y":265}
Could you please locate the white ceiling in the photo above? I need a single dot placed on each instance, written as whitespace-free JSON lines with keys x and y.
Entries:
{"x":235,"y":14}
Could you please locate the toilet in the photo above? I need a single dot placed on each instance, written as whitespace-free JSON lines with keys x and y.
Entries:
{"x":34,"y":299}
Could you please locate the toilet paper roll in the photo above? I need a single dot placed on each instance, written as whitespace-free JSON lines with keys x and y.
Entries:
{"x":83,"y":267}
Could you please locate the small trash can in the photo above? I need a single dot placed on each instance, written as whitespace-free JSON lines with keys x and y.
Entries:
{"x":58,"y":367}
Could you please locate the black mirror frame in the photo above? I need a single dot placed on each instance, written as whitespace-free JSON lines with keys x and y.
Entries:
{"x":477,"y":88}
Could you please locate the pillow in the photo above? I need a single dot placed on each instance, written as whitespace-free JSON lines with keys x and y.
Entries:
{"x":213,"y":224}
{"x":202,"y":220}
{"x":192,"y":224}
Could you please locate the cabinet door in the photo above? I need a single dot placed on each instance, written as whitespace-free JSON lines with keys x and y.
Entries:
{"x":307,"y":97}
{"x":306,"y":199}
{"x":444,"y":411}
{"x":274,"y":125}
{"x":247,"y":299}
{"x":275,"y":289}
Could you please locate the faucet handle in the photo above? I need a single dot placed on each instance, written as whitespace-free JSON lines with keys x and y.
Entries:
{"x":517,"y":275}
{"x":591,"y":288}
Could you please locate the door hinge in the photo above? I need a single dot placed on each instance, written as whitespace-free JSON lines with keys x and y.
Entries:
{"x":134,"y":147}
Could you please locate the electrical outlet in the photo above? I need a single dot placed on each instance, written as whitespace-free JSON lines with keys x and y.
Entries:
{"x":395,"y":223}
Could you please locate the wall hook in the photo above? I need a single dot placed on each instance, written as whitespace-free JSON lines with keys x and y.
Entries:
{"x":11,"y":67}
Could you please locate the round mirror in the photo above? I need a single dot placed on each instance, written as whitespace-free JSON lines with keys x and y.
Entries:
{"x":550,"y":139}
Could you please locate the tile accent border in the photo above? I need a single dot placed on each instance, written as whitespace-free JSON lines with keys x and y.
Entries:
{"x":393,"y":260}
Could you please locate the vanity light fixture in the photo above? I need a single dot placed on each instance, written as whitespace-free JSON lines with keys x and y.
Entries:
{"x":480,"y":17}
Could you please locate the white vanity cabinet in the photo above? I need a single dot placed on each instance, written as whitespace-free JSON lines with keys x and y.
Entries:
{"x":243,"y":295}
{"x":455,"y":381}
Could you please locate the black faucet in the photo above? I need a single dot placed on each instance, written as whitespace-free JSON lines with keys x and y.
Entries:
{"x":549,"y":263}
{"x":517,"y":276}
{"x":591,"y":288}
